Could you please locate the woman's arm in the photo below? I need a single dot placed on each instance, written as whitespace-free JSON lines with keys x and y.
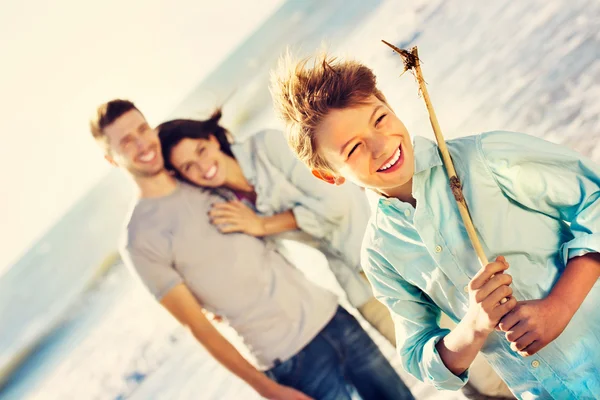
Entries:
{"x":278,"y":223}
{"x":235,"y":216}
{"x":321,"y":206}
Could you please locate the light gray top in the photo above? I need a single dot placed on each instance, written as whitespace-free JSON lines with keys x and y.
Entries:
{"x":272,"y":306}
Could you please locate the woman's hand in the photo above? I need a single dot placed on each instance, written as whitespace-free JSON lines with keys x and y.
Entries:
{"x":235,"y":216}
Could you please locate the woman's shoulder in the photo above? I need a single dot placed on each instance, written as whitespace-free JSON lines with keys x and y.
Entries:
{"x":268,"y":138}
{"x":272,"y":143}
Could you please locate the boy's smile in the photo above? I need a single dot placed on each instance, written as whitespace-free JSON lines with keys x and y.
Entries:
{"x":370,"y":146}
{"x":393,"y":163}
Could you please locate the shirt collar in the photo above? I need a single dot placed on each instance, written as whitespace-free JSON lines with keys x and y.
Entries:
{"x":242,"y":151}
{"x":427,"y":154}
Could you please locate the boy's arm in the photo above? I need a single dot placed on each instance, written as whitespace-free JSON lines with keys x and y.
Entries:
{"x":534,"y":324}
{"x":576,"y":282}
{"x":182,"y":304}
{"x":433,"y":355}
{"x":459,"y":348}
{"x":564,"y":185}
{"x":549,"y":179}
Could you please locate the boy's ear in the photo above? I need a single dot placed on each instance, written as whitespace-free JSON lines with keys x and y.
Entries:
{"x":328,"y":177}
{"x":111,"y":160}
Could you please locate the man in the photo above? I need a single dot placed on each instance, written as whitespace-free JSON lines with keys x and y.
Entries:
{"x":189,"y":266}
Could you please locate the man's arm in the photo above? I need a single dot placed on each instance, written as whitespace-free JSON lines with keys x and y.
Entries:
{"x":149,"y":257}
{"x":182,"y":304}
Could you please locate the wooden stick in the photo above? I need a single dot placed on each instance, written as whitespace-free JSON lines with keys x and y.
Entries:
{"x":411,"y":61}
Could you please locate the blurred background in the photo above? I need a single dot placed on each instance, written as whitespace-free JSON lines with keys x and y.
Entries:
{"x":74,"y":324}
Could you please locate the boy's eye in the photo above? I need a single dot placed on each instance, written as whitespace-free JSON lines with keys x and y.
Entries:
{"x":354,"y":148}
{"x":380,"y":119}
{"x":199,"y":150}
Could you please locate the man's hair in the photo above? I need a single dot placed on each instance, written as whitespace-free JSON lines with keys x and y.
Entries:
{"x":106,"y":114}
{"x":303,"y":96}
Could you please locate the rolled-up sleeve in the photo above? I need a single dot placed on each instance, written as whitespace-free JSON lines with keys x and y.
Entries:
{"x":322,"y":205}
{"x":416,"y":319}
{"x":550,"y":179}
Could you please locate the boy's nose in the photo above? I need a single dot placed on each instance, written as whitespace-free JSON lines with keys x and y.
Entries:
{"x":377,"y":147}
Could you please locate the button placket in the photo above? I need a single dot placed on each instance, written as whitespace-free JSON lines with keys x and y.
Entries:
{"x":456,"y":274}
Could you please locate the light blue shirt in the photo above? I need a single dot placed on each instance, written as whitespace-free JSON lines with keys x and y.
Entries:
{"x":331,"y":218}
{"x":534,"y":202}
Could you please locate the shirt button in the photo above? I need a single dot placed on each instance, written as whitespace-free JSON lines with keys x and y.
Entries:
{"x":386,"y":202}
{"x":438,"y":249}
{"x":407,"y":213}
{"x":535,"y":363}
{"x":466,"y":289}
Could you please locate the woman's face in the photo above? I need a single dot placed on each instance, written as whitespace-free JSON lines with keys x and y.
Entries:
{"x":201,"y":161}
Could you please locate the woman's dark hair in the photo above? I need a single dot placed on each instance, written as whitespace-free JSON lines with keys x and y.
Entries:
{"x":172,"y":132}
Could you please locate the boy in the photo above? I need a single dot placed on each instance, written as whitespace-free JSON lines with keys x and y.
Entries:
{"x":535,"y":206}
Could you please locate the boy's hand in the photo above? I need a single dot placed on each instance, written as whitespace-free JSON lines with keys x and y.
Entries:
{"x":533,"y":324}
{"x":486,"y":291}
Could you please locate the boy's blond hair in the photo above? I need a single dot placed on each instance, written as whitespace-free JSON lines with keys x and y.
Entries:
{"x":303,"y":96}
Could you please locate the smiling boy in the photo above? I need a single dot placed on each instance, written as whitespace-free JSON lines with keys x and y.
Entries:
{"x":535,"y":206}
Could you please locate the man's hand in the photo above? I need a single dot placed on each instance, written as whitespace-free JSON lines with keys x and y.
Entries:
{"x":533,"y":324}
{"x":281,"y":392}
{"x":486,"y":291}
{"x":235,"y":216}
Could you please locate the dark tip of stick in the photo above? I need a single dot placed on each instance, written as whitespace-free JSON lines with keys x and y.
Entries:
{"x":408,"y":57}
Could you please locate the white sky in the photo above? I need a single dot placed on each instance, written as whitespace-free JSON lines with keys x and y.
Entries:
{"x":60,"y":59}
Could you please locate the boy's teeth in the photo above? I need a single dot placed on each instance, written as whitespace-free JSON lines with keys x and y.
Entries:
{"x":393,"y":161}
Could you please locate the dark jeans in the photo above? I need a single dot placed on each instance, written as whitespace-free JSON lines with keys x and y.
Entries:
{"x":339,"y":362}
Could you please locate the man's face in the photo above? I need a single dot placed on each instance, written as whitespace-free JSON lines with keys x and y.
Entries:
{"x":133,"y":145}
{"x":367,"y":145}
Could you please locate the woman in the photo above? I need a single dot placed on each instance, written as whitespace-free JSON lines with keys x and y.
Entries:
{"x":272,"y":193}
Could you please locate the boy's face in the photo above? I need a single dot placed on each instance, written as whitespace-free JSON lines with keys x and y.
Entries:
{"x":367,"y":145}
{"x":133,"y":145}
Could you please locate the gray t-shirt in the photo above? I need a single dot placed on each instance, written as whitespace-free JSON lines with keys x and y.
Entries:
{"x":272,"y":306}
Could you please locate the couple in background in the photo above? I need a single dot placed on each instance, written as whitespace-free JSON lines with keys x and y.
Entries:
{"x":199,"y":250}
